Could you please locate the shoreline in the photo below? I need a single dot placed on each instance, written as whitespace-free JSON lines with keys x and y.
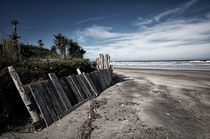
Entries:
{"x":121,"y":68}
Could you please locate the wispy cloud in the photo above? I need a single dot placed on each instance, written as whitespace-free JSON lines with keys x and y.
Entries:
{"x":95,"y":33}
{"x":168,"y":13}
{"x":181,"y":39}
{"x":96,"y":18}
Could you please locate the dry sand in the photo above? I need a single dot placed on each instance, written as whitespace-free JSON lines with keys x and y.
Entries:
{"x":147,"y":104}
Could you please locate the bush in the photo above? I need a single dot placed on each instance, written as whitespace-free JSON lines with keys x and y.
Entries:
{"x":12,"y":108}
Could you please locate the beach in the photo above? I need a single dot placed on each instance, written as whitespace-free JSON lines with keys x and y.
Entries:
{"x":146,"y":103}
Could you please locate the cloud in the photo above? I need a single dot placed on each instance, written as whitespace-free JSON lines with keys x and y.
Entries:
{"x":95,"y":19}
{"x":180,"y":39}
{"x":95,"y":33}
{"x":168,"y":13}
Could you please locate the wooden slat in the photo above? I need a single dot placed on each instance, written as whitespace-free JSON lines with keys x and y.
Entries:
{"x":103,"y":73}
{"x":108,"y":77}
{"x":96,"y":82}
{"x":69,"y":92}
{"x":100,"y":78}
{"x":60,"y":90}
{"x":85,"y":85}
{"x":55,"y":98}
{"x":90,"y":84}
{"x":47,"y":101}
{"x":79,"y":86}
{"x":47,"y":118}
{"x":76,"y":88}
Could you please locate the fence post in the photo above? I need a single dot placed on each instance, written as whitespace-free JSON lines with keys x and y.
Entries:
{"x":26,"y":99}
{"x":60,"y":90}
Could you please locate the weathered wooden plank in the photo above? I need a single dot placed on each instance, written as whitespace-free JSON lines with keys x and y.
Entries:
{"x":47,"y":118}
{"x":79,"y":86}
{"x":47,"y":101}
{"x":54,"y":97}
{"x":97,"y":80}
{"x":100,"y":77}
{"x":101,"y":61}
{"x":26,"y":98}
{"x":60,"y":90}
{"x":76,"y":87}
{"x":90,"y":84}
{"x":104,"y":75}
{"x":108,"y":76}
{"x":85,"y":85}
{"x":69,"y":92}
{"x":94,"y":82}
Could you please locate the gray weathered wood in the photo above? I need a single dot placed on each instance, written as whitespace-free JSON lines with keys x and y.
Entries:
{"x":79,"y":86}
{"x":54,"y":95}
{"x":96,"y":83}
{"x":90,"y":84}
{"x":85,"y":85}
{"x":47,"y":118}
{"x":47,"y":101}
{"x":60,"y":90}
{"x":74,"y":88}
{"x":101,"y":61}
{"x":100,"y":77}
{"x":26,"y":98}
{"x":69,"y":91}
{"x":78,"y":71}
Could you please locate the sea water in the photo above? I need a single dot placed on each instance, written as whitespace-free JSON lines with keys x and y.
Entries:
{"x":177,"y":65}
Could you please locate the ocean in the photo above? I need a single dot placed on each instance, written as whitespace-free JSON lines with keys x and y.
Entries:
{"x":176,"y":65}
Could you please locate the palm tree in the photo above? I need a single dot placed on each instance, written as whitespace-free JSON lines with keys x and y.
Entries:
{"x":14,"y":22}
{"x":14,"y":35}
{"x":41,"y":44}
{"x":61,"y":42}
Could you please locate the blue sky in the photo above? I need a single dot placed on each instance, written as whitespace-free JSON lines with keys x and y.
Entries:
{"x":125,"y":29}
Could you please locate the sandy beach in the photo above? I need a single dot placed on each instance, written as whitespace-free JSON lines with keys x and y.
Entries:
{"x":146,"y":104}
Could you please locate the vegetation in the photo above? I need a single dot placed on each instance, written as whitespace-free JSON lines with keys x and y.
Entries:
{"x":33,"y":63}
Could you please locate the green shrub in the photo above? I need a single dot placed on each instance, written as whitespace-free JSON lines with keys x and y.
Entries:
{"x":12,"y":108}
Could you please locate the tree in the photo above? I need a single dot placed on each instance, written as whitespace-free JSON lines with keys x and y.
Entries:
{"x":53,"y":49}
{"x":41,"y":44}
{"x":14,"y":22}
{"x":75,"y":50}
{"x":14,"y":37}
{"x":61,"y":43}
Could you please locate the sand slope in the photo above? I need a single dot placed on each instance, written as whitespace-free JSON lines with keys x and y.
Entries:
{"x":147,"y":104}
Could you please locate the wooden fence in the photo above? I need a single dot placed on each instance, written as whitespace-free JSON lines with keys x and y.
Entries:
{"x":50,"y":100}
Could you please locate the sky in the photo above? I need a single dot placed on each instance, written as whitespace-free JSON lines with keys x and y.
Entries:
{"x":124,"y":29}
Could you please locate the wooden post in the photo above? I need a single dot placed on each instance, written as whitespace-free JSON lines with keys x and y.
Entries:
{"x":101,"y":61}
{"x":60,"y":90}
{"x":108,"y":61}
{"x":78,"y":71}
{"x":26,"y":99}
{"x":97,"y":63}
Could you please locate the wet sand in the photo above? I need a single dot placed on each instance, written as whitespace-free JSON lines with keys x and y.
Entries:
{"x":147,"y":104}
